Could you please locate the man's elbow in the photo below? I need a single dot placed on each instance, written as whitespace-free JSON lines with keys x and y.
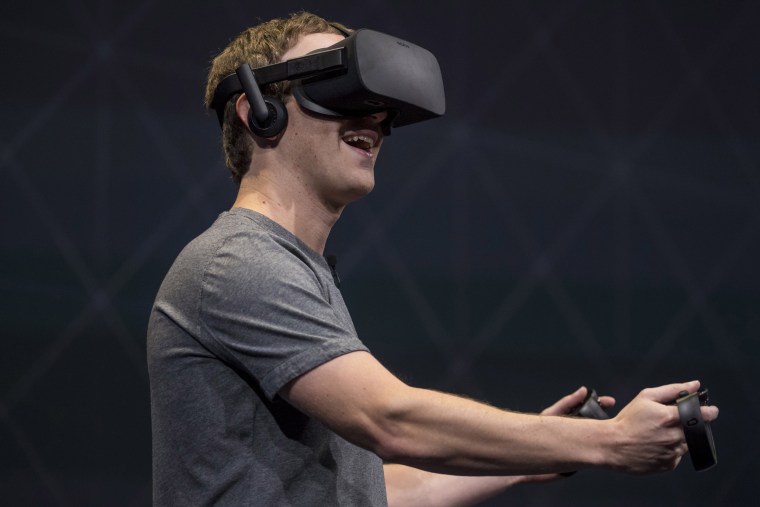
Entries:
{"x":391,"y":431}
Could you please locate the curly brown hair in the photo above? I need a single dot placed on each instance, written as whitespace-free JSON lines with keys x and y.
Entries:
{"x":260,"y":45}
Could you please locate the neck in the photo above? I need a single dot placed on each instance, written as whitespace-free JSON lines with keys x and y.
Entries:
{"x":289,"y":204}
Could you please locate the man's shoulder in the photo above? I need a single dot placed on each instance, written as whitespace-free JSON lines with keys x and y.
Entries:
{"x":237,"y":233}
{"x":242,"y":246}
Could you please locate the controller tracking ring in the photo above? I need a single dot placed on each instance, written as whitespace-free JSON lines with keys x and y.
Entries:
{"x":698,"y":433}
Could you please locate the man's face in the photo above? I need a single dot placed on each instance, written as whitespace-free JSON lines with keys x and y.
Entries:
{"x":334,"y":157}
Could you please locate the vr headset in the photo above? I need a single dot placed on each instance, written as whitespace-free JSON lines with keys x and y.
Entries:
{"x":366,"y":73}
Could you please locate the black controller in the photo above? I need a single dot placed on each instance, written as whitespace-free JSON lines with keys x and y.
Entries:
{"x":590,"y":408}
{"x":698,"y":434}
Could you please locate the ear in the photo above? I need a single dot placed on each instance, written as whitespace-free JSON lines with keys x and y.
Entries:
{"x":242,"y":108}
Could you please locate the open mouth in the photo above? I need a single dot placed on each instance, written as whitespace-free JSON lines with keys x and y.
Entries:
{"x":364,"y":143}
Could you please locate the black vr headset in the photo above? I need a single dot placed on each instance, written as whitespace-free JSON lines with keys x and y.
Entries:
{"x":367,"y":72}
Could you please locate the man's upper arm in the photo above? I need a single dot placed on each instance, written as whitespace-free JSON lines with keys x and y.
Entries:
{"x":352,"y":394}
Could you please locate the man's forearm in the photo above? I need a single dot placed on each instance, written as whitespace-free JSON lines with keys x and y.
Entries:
{"x":407,"y":486}
{"x":452,"y":435}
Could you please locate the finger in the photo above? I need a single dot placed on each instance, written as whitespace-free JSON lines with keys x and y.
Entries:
{"x":607,"y":401}
{"x":669,"y":393}
{"x":709,"y":413}
{"x":567,"y":403}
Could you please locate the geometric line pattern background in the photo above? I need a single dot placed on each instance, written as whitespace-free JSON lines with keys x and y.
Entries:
{"x":587,"y":212}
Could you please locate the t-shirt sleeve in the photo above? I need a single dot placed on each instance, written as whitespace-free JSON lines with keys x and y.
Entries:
{"x":265,"y":311}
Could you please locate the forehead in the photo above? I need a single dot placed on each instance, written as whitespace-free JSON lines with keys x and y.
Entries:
{"x":311,"y":42}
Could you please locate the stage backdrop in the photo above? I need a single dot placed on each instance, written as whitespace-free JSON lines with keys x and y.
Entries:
{"x":586,"y":213}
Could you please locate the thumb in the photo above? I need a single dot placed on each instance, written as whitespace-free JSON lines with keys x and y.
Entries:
{"x":567,"y":403}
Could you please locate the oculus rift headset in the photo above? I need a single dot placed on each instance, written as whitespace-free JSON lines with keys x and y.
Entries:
{"x":365,"y":73}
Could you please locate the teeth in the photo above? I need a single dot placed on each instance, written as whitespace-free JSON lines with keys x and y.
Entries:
{"x":368,"y":142}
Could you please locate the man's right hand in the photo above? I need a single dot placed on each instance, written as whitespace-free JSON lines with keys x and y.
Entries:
{"x":649,"y":434}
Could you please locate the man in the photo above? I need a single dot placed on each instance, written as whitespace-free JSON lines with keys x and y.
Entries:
{"x":262,"y":394}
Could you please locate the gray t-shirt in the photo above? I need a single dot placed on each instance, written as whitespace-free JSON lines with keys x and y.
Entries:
{"x":246,"y":308}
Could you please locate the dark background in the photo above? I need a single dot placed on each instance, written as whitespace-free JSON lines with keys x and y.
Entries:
{"x":586,"y":212}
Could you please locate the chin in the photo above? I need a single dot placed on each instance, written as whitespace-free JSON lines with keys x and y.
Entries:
{"x":358,"y":191}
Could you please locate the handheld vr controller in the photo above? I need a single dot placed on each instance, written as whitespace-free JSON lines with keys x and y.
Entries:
{"x":698,"y":434}
{"x":590,"y":408}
